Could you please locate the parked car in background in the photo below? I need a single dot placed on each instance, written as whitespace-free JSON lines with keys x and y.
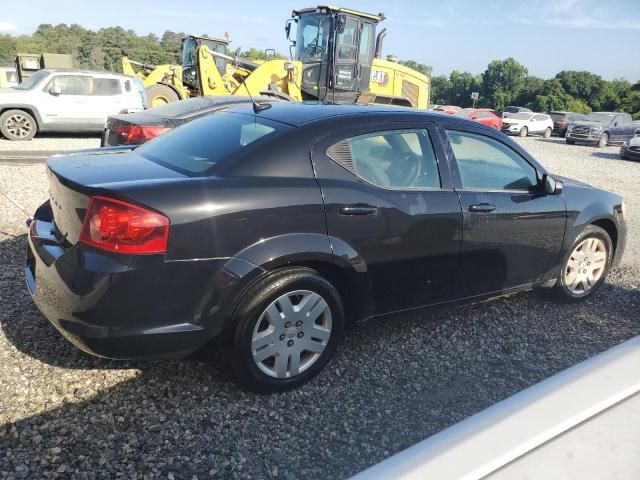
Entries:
{"x":449,"y":109}
{"x":510,"y":110}
{"x":523,"y":124}
{"x":66,"y":100}
{"x":602,"y":128}
{"x":8,"y":77}
{"x":630,"y":149}
{"x":561,"y":121}
{"x":140,"y":127}
{"x":270,"y":231}
{"x":481,"y":115}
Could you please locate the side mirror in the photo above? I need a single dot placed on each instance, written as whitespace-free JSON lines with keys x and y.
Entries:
{"x":287,"y":28}
{"x":551,"y":186}
{"x":55,"y":91}
{"x":474,"y":118}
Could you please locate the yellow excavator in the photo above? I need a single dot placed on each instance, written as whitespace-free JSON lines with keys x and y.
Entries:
{"x":336,"y":57}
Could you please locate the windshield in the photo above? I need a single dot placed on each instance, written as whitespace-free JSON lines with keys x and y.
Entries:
{"x":197,"y":147}
{"x":520,"y":116}
{"x":32,"y":81}
{"x":599,"y":117}
{"x":312,"y":38}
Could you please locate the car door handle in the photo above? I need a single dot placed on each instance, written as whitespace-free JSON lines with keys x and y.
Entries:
{"x":482,"y":208}
{"x":358,"y":210}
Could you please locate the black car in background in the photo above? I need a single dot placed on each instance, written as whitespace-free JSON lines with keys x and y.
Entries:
{"x":561,"y":121}
{"x":272,"y":232}
{"x":140,"y":127}
{"x":630,"y":150}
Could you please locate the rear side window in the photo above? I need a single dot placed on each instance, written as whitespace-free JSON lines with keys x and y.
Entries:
{"x":486,"y":164}
{"x":391,"y":159}
{"x":196,"y":147}
{"x":539,"y":118}
{"x":106,"y":86}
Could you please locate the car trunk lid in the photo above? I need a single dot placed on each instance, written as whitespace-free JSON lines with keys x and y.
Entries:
{"x":73,"y":179}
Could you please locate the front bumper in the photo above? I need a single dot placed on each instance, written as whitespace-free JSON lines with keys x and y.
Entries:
{"x":511,"y":129}
{"x":126,"y":307}
{"x":589,"y":136}
{"x":626,"y":152}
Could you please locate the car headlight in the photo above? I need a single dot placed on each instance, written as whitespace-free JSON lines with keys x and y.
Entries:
{"x":596,"y":129}
{"x":626,"y":144}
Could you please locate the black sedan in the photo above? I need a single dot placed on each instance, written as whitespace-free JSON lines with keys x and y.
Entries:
{"x":140,"y":127}
{"x":271,"y":232}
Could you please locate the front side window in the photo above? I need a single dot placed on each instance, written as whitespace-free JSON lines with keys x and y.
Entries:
{"x":70,"y":84}
{"x":365,"y":55}
{"x":391,"y":159}
{"x":487,"y":164}
{"x":197,"y":147}
{"x":347,"y":40}
{"x":312,"y":41}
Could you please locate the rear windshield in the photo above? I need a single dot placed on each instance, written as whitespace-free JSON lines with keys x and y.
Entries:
{"x":196,"y":147}
{"x":557,"y":117}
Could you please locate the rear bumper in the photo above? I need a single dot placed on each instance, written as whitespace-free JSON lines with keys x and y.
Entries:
{"x":127,"y":307}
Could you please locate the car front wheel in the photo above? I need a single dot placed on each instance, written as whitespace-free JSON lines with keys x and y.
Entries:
{"x":17,"y":125}
{"x":603,"y":141}
{"x":288,"y":327}
{"x":586,"y":265}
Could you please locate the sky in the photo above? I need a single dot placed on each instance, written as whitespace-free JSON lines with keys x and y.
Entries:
{"x":546,"y":36}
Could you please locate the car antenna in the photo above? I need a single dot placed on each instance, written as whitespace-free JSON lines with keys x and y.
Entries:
{"x":257,"y":107}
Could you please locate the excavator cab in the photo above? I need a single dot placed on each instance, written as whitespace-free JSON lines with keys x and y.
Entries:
{"x":190,"y":46}
{"x":336,"y":47}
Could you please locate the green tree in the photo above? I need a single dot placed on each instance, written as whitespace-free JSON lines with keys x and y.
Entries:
{"x":440,"y":87}
{"x":255,"y":54}
{"x":581,"y":84}
{"x":503,"y":81}
{"x":8,"y":46}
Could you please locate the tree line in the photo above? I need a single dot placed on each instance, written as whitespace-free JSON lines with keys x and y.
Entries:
{"x":504,"y":82}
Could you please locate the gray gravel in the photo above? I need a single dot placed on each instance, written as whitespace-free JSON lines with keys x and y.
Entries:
{"x":64,"y":414}
{"x":52,"y":141}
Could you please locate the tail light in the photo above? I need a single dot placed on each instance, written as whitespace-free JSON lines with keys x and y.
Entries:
{"x":139,"y":133}
{"x":121,"y":227}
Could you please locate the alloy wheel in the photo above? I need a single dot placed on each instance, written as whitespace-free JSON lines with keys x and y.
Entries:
{"x":291,"y":334}
{"x":585,"y":266}
{"x":18,"y":126}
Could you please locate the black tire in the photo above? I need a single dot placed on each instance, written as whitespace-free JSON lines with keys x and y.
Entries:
{"x":18,"y":125}
{"x":569,"y":141}
{"x":159,"y":94}
{"x":603,"y":141}
{"x":249,"y":310}
{"x":524,"y":131}
{"x":560,"y":291}
{"x":547,"y":133}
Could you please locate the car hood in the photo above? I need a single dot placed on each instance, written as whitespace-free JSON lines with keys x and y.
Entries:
{"x":635,"y":141}
{"x":571,"y":182}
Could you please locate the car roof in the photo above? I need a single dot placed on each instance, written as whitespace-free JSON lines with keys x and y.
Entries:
{"x":297,"y":114}
{"x":84,"y":72}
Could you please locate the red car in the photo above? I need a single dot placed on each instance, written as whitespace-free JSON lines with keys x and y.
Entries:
{"x":481,"y":115}
{"x":450,"y":109}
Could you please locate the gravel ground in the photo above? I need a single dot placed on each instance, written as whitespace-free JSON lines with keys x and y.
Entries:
{"x":51,"y":141}
{"x":64,"y":414}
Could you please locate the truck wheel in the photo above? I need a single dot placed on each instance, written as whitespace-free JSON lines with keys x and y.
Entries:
{"x":547,"y":133}
{"x":523,"y":131}
{"x":159,"y":94}
{"x":603,"y":141}
{"x":17,"y":125}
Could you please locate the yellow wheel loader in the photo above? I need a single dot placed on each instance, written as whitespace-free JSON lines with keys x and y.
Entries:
{"x":336,"y":58}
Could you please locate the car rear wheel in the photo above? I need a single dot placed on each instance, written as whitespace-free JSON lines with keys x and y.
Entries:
{"x":524,"y":131}
{"x":17,"y":125}
{"x":586,"y":265}
{"x":158,"y":95}
{"x":547,"y":133}
{"x":603,"y":141}
{"x":288,"y":327}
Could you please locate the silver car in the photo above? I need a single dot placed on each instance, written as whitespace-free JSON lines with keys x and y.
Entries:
{"x":67,"y":101}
